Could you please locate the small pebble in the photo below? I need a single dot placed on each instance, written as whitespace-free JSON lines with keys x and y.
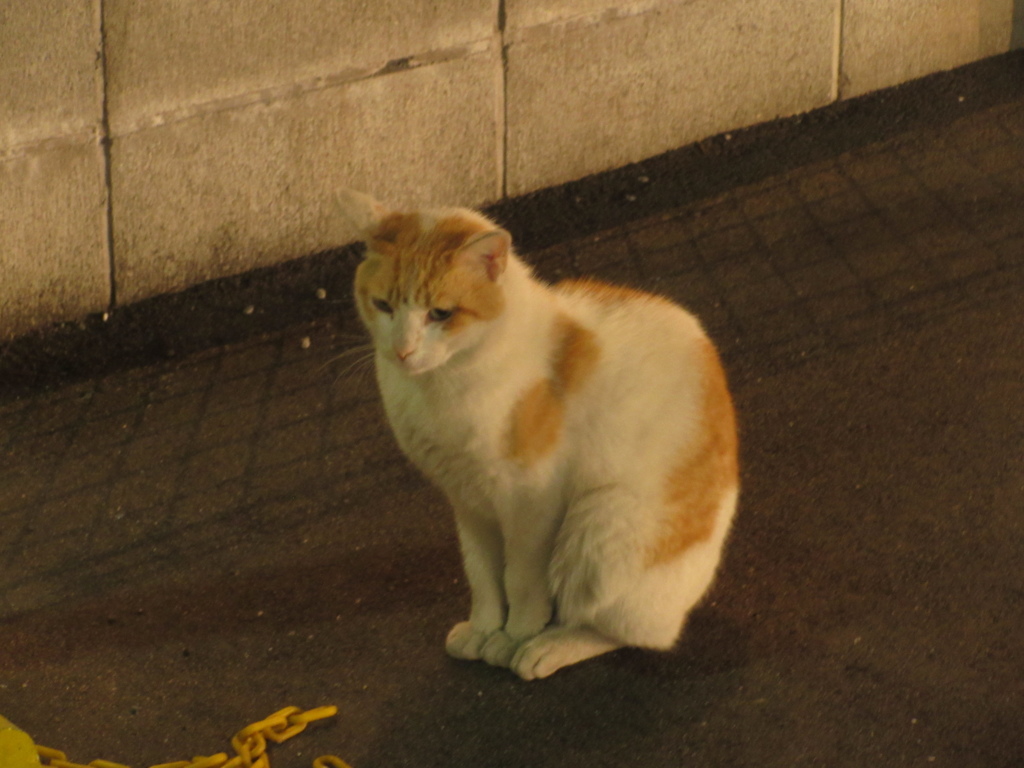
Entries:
{"x":249,"y":310}
{"x":321,"y":293}
{"x":305,"y":342}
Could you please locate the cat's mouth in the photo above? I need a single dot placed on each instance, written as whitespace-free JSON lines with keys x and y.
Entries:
{"x":411,"y":366}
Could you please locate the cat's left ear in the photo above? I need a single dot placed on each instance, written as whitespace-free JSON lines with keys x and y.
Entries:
{"x":488,"y":250}
{"x":362,"y":212}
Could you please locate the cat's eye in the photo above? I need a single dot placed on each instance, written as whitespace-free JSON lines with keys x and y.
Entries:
{"x":382,"y":306}
{"x":439,"y":315}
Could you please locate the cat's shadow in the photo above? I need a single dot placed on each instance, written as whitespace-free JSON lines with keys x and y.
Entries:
{"x":711,"y":644}
{"x":598,"y":712}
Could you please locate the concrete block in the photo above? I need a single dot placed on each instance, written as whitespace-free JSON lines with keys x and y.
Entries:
{"x":167,"y":56}
{"x":1017,"y":33}
{"x":995,"y":18}
{"x":585,"y":99}
{"x":233,"y":190}
{"x":521,"y":14}
{"x":53,"y":254}
{"x":49,"y":70}
{"x":886,"y":42}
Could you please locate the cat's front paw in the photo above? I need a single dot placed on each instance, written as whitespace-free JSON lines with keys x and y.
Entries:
{"x":499,"y":649}
{"x":465,"y":642}
{"x":558,"y":647}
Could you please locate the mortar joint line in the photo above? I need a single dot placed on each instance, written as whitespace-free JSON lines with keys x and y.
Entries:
{"x":42,"y":495}
{"x":502,"y":22}
{"x":837,"y":52}
{"x":802,"y":302}
{"x":261,"y":403}
{"x":721,"y":292}
{"x":118,"y":468}
{"x":955,"y":215}
{"x":105,"y":143}
{"x":173,"y":500}
{"x":947,"y":286}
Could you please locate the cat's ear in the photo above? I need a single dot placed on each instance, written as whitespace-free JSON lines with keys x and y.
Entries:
{"x":487,"y":251}
{"x":361,"y":212}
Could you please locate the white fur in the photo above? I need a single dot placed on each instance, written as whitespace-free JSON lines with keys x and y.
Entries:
{"x":555,"y":553}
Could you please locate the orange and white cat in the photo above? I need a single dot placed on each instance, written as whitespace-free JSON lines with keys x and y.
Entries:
{"x":583,"y":433}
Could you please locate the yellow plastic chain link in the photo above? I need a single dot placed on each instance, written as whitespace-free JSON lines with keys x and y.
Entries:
{"x":250,"y":745}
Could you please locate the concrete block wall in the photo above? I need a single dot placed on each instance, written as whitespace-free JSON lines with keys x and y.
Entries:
{"x":589,"y":93}
{"x":54,"y":260}
{"x":145,"y":147}
{"x":886,"y":42}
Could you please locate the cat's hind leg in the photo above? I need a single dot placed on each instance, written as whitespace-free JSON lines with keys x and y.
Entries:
{"x":609,"y":593}
{"x":558,"y":647}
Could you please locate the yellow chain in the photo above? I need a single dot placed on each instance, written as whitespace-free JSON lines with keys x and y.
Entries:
{"x":250,"y":745}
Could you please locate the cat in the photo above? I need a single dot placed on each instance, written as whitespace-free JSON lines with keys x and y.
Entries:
{"x":583,"y":433}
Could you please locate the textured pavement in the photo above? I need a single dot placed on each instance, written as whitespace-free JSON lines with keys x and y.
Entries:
{"x":190,"y":546}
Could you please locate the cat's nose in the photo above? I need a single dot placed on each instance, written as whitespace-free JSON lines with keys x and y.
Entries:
{"x":402,"y":354}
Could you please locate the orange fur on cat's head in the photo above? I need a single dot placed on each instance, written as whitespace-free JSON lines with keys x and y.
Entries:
{"x":427,"y":277}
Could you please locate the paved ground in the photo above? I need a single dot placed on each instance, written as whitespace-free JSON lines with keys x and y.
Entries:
{"x":189,"y":546}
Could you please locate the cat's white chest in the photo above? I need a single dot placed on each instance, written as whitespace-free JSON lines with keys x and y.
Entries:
{"x":447,"y":434}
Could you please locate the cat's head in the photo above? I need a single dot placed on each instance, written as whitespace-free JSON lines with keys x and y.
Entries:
{"x":431,"y":282}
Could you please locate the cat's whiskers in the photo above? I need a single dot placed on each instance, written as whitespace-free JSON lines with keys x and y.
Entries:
{"x":360,"y":348}
{"x":358,"y":368}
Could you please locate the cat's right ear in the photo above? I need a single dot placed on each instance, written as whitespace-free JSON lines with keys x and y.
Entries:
{"x":489,"y":251}
{"x":361,"y":212}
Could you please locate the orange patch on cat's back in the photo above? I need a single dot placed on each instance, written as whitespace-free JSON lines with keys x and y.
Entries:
{"x":605,"y":293}
{"x":576,"y":354}
{"x":538,"y":416}
{"x":536,"y":423}
{"x":706,"y":470}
